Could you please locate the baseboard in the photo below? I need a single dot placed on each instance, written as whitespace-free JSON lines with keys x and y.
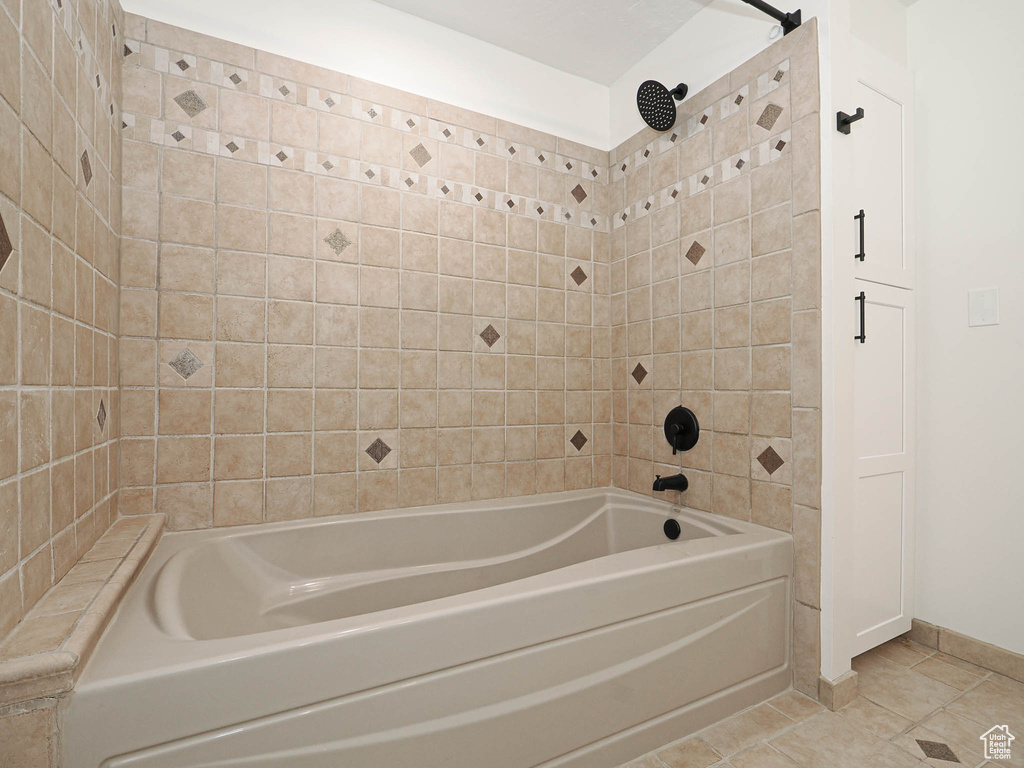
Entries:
{"x":1000,"y":660}
{"x":836,"y":694}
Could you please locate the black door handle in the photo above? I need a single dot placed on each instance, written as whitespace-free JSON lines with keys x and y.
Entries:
{"x":863,"y":331}
{"x":860,"y":217}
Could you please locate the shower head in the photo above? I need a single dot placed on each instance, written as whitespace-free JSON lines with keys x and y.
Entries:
{"x":656,"y":104}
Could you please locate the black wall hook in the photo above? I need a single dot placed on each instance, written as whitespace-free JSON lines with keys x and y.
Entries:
{"x":844,"y":121}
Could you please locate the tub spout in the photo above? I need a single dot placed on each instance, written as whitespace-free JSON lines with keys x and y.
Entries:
{"x":673,"y":483}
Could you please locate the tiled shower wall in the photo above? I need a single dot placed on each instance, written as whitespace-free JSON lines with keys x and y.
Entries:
{"x":60,"y":201}
{"x":339,"y":297}
{"x":716,"y":296}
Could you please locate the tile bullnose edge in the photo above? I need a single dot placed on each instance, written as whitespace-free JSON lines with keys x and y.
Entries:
{"x":33,"y":677}
{"x":86,"y":633}
{"x":836,"y":694}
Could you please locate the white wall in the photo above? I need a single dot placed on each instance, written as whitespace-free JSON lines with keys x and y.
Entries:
{"x":377,"y":43}
{"x":713,"y":43}
{"x":970,"y":566}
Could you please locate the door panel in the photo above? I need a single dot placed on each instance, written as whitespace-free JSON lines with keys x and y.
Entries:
{"x":879,"y":535}
{"x":879,"y":378}
{"x":883,"y":512}
{"x":879,"y":170}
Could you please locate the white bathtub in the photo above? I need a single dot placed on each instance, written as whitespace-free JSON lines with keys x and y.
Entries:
{"x":558,"y":630}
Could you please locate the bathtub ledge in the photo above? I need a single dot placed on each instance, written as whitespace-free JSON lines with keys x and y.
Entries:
{"x":45,"y":653}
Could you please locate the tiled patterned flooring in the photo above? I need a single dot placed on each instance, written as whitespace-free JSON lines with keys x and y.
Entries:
{"x":916,"y":707}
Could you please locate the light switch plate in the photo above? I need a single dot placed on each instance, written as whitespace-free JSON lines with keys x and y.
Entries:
{"x":983,"y":307}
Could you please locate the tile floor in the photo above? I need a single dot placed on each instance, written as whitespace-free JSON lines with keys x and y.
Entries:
{"x":916,"y":707}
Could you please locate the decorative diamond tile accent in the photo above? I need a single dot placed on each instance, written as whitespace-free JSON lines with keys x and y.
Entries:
{"x":490,"y":336}
{"x":327,"y":165}
{"x":338,"y":241}
{"x":673,"y":138}
{"x":540,"y":210}
{"x":770,"y":460}
{"x":97,"y":81}
{"x":624,"y":167}
{"x":593,"y":222}
{"x":510,"y":203}
{"x":478,"y":197}
{"x":232,"y":147}
{"x":409,"y":182}
{"x":594,"y":173}
{"x":511,"y":150}
{"x":740,"y":163}
{"x":770,"y":116}
{"x":696,"y":253}
{"x":639,"y":373}
{"x":329,"y":102}
{"x":283,"y":90}
{"x":579,"y":193}
{"x":371,"y":112}
{"x":378,"y":450}
{"x":6,"y":247}
{"x":578,"y":440}
{"x":781,"y":145}
{"x":235,"y":78}
{"x":86,"y":168}
{"x":647,"y":153}
{"x":369,"y":173}
{"x":568,"y":216}
{"x":185,"y":364}
{"x":778,"y":76}
{"x":281,"y":156}
{"x":101,"y":415}
{"x":182,"y":64}
{"x":178,"y":136}
{"x":739,"y":99}
{"x":480,"y":142}
{"x":674,"y":194}
{"x":444,"y":189}
{"x":703,"y":119}
{"x":936,"y":750}
{"x":420,"y":154}
{"x":191,"y":103}
{"x":568,"y":165}
{"x":446,"y":133}
{"x":647,"y":205}
{"x":705,"y":179}
{"x":128,"y":51}
{"x":541,"y":158}
{"x":411,"y":123}
{"x":625,"y":216}
{"x":578,"y":275}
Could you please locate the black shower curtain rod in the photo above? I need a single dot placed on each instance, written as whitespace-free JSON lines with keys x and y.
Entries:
{"x":789,"y":21}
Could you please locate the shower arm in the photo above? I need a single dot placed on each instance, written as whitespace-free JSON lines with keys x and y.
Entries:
{"x":789,"y":21}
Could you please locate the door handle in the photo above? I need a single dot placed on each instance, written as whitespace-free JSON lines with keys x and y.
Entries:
{"x":863,"y":337}
{"x":860,"y":217}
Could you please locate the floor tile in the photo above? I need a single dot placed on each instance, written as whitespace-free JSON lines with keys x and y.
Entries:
{"x":795,"y":705}
{"x":961,"y":734}
{"x":899,"y":689}
{"x":745,"y":729}
{"x":934,"y":749}
{"x":966,"y":666}
{"x":831,"y":741}
{"x":868,"y":716}
{"x":946,"y":673}
{"x":903,"y":652}
{"x":692,"y":753}
{"x":989,"y":704}
{"x":644,"y":762}
{"x":762,"y":756}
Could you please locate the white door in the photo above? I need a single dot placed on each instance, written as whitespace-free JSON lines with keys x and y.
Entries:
{"x":880,"y":205}
{"x":883,"y":508}
{"x":872,"y":495}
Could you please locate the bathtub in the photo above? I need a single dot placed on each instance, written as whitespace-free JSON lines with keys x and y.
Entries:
{"x":557,"y":630}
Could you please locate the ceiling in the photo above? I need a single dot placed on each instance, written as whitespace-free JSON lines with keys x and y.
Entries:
{"x":595,"y":39}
